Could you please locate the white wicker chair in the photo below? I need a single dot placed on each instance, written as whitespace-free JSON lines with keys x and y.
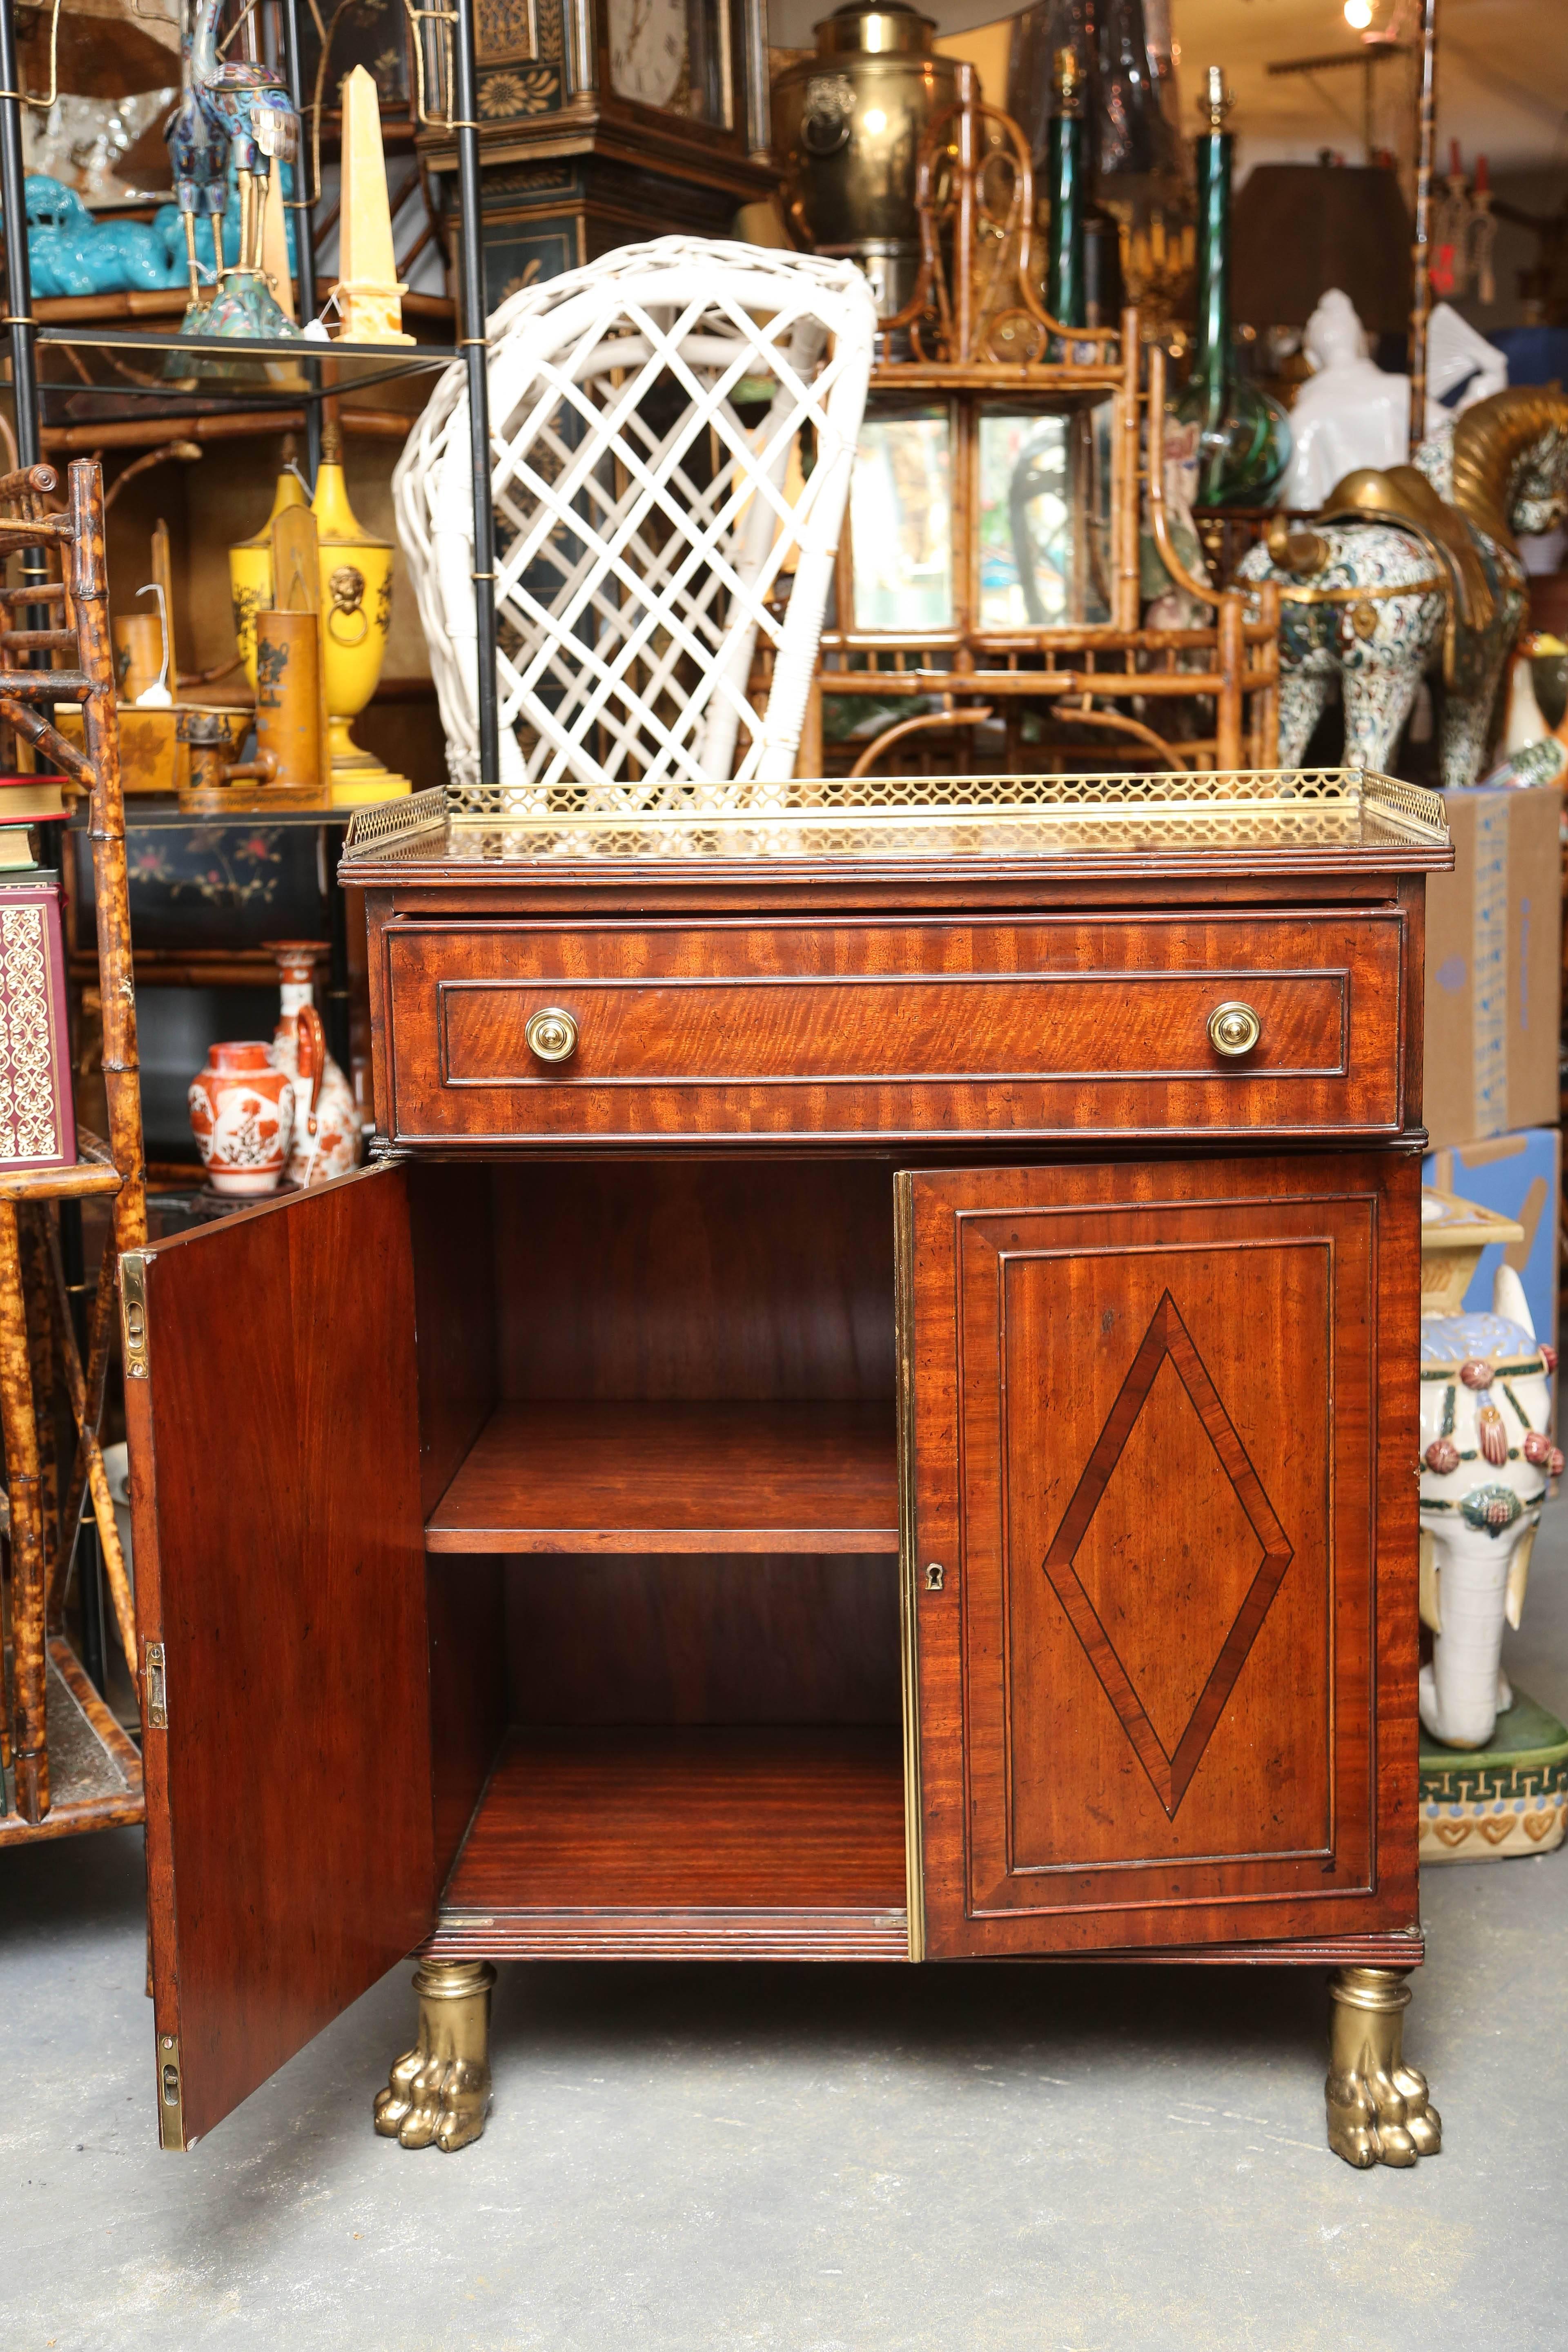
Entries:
{"x":643,"y":529}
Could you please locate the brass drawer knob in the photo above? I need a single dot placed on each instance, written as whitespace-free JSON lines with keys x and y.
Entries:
{"x":552,"y":1033}
{"x":1234,"y":1029}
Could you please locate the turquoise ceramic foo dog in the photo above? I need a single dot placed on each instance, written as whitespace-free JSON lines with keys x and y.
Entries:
{"x":69,"y":252}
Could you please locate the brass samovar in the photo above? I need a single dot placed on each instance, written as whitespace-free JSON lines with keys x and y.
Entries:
{"x":848,"y":123}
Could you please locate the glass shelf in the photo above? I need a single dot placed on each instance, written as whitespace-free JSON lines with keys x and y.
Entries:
{"x":308,"y":370}
{"x":160,"y":812}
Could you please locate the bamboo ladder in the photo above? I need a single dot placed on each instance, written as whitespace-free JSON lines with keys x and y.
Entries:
{"x":32,"y":1281}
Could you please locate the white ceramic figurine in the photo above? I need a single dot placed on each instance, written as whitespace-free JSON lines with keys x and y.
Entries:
{"x":1348,"y":413}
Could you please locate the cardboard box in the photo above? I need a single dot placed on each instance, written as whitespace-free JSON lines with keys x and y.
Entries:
{"x":1519,"y":1176}
{"x":1493,"y":967}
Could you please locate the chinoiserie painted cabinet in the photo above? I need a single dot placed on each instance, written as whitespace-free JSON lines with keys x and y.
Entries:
{"x":866,"y":1410}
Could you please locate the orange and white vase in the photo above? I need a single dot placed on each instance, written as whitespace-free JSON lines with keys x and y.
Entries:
{"x":331,"y":1146}
{"x":242,"y":1114}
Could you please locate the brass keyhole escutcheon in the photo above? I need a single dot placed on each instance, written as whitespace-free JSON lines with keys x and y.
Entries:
{"x":934,"y":1576}
{"x":1234,"y":1029}
{"x":552,"y":1033}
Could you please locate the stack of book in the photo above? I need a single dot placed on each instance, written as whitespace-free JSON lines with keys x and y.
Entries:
{"x":28,"y":803}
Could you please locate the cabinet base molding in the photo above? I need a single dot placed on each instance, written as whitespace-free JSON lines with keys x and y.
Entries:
{"x":769,"y":1934}
{"x":717,"y":1935}
{"x":438,"y":2094}
{"x":1379,"y":2108}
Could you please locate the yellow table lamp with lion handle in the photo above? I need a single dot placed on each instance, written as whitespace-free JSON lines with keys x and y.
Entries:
{"x":356,"y":620}
{"x":356,"y":605}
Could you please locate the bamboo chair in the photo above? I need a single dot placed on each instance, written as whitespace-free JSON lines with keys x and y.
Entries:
{"x":36,"y":1333}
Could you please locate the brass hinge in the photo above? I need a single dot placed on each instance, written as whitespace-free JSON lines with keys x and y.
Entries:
{"x":134,"y":1313}
{"x":171,"y":2095}
{"x":157,"y":1688}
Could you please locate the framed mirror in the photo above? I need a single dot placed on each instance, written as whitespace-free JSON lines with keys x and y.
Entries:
{"x":1043,"y":518}
{"x":901,"y":520}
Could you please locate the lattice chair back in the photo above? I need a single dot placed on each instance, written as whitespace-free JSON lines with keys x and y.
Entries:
{"x":673,"y":431}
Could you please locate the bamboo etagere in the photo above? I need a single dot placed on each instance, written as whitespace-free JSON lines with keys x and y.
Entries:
{"x":47,"y":619}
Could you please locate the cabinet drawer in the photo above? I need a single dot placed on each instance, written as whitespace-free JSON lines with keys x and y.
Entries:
{"x":1038,"y":1026}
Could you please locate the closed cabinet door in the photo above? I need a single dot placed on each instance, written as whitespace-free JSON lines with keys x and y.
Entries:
{"x":1159,"y":1446}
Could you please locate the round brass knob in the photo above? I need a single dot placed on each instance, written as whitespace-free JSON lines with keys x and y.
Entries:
{"x":1234,"y":1029}
{"x":552,"y":1033}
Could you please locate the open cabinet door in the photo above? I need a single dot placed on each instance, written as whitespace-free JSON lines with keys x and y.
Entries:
{"x":280,"y":1608}
{"x":1162,"y":1544}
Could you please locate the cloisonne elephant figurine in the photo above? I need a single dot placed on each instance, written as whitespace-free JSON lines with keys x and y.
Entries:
{"x":1412,"y":566}
{"x":1486,"y":1459}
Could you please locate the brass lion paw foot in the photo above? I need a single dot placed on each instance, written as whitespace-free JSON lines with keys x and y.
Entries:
{"x":440,"y":2092}
{"x":1379,"y":2110}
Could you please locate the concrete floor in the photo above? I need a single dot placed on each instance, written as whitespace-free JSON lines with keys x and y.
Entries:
{"x":762,"y":2159}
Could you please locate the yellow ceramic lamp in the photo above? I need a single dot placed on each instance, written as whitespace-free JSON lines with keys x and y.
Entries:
{"x":356,"y":620}
{"x":250,"y":570}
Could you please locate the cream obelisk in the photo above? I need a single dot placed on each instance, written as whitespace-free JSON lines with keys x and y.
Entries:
{"x":369,"y":295}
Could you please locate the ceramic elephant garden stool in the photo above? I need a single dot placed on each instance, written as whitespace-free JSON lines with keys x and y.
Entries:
{"x":1487,"y":1456}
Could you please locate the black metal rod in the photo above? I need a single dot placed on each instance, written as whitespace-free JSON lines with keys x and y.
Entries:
{"x":304,"y":218}
{"x":20,"y":328}
{"x":465,"y":117}
{"x":337,"y":1017}
{"x":19,"y":281}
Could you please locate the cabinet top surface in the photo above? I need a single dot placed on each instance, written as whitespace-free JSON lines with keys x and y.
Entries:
{"x":1134,"y":824}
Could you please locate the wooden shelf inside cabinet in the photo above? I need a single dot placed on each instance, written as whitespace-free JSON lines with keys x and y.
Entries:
{"x":624,"y":1476}
{"x":611,"y":1839}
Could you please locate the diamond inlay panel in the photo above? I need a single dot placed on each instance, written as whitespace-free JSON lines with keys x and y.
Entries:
{"x":1090,"y":1552}
{"x":1166,"y":1584}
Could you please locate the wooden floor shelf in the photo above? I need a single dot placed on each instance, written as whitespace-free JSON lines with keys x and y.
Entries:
{"x":717,"y":1841}
{"x":637,"y":1478}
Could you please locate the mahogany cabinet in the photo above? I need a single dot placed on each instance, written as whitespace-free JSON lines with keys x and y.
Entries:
{"x":866,"y":1410}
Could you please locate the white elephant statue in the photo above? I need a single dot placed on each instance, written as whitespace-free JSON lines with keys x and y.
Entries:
{"x":1486,"y":1459}
{"x":1412,"y":568}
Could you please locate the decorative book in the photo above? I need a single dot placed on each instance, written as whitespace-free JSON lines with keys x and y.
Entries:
{"x":31,"y":800}
{"x":37,"y":1119}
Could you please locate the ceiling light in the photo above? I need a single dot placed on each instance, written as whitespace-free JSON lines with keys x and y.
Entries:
{"x":1358,"y":14}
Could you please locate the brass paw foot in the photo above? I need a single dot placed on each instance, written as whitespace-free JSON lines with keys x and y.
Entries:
{"x":440,"y":2092}
{"x":1379,"y":2111}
